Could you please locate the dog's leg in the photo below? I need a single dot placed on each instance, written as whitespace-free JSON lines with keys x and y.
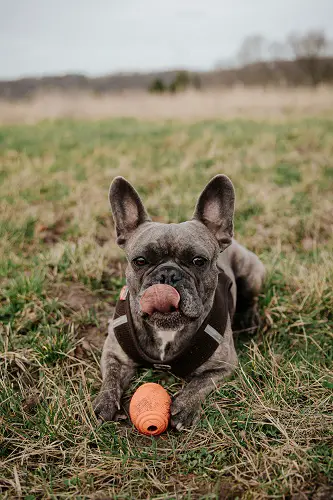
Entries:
{"x":117,"y":377}
{"x":117,"y":371}
{"x":185,"y":409}
{"x":249,"y":274}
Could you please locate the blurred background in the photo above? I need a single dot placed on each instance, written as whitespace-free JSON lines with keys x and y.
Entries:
{"x":73,"y":54}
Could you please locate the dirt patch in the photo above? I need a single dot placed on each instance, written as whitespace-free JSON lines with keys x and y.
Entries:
{"x":30,"y":402}
{"x":51,"y":234}
{"x":324,"y":492}
{"x":75,"y":296}
{"x":93,"y":337}
{"x":229,"y":491}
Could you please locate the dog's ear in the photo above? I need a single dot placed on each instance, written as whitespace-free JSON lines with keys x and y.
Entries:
{"x":127,"y":209}
{"x":215,"y":209}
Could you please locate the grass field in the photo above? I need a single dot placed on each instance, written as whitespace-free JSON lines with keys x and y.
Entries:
{"x":267,"y":432}
{"x":238,"y":102}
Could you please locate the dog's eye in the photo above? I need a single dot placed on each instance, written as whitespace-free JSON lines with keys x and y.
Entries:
{"x":140,"y":261}
{"x":199,"y":261}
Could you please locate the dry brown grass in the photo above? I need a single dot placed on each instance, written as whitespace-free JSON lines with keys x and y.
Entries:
{"x":235,"y":102}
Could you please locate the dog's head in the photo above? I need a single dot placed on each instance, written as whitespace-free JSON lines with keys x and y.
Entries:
{"x":183,"y":256}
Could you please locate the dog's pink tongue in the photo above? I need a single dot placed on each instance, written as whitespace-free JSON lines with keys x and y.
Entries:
{"x":161,"y":298}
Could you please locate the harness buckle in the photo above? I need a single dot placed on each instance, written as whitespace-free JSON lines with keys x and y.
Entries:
{"x":162,"y":367}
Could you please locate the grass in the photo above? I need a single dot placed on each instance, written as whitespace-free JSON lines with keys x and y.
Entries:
{"x":238,"y":102}
{"x":267,"y":432}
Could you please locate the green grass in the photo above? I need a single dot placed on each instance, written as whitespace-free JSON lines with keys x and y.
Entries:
{"x":267,"y":432}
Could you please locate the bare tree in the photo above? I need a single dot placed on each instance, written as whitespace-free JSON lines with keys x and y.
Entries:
{"x":278,"y":51}
{"x":308,"y":51}
{"x":311,"y":44}
{"x":253,"y":49}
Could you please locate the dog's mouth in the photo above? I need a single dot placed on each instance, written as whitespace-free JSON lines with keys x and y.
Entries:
{"x":162,"y":306}
{"x":160,"y":299}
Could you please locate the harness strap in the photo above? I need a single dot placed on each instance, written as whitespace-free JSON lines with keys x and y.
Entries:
{"x":199,"y":349}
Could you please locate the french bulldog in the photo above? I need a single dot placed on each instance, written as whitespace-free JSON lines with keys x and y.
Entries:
{"x":188,"y":257}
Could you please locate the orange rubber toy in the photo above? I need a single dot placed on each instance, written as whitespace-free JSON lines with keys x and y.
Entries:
{"x":150,"y":409}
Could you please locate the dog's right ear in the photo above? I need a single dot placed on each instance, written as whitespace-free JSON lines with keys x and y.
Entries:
{"x":127,"y":209}
{"x":215,"y":209}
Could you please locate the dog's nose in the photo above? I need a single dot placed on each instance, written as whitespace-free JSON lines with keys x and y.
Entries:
{"x":169,"y":276}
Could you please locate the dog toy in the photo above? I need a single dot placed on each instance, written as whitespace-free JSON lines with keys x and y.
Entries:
{"x":150,"y":409}
{"x":161,"y":298}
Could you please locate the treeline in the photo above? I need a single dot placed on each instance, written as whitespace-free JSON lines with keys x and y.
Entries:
{"x":310,"y":53}
{"x":305,"y":59}
{"x":301,"y":59}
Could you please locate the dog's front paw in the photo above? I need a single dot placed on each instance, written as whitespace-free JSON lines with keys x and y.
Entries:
{"x":185,"y":411}
{"x":106,"y":406}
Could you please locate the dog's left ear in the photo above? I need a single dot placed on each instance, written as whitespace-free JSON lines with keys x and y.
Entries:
{"x":215,"y":209}
{"x":127,"y":209}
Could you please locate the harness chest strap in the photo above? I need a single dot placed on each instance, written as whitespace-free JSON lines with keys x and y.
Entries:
{"x":200,"y":348}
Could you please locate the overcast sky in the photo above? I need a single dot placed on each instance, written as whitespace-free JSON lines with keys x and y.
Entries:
{"x":101,"y":36}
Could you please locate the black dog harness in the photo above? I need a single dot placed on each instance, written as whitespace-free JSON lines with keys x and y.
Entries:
{"x":200,"y":347}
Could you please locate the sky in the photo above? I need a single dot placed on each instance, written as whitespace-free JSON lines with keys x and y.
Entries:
{"x":95,"y":37}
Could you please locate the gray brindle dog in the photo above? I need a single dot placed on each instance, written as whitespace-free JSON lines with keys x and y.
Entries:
{"x":188,"y":256}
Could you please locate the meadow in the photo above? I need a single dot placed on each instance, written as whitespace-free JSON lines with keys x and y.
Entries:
{"x":265,"y":433}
